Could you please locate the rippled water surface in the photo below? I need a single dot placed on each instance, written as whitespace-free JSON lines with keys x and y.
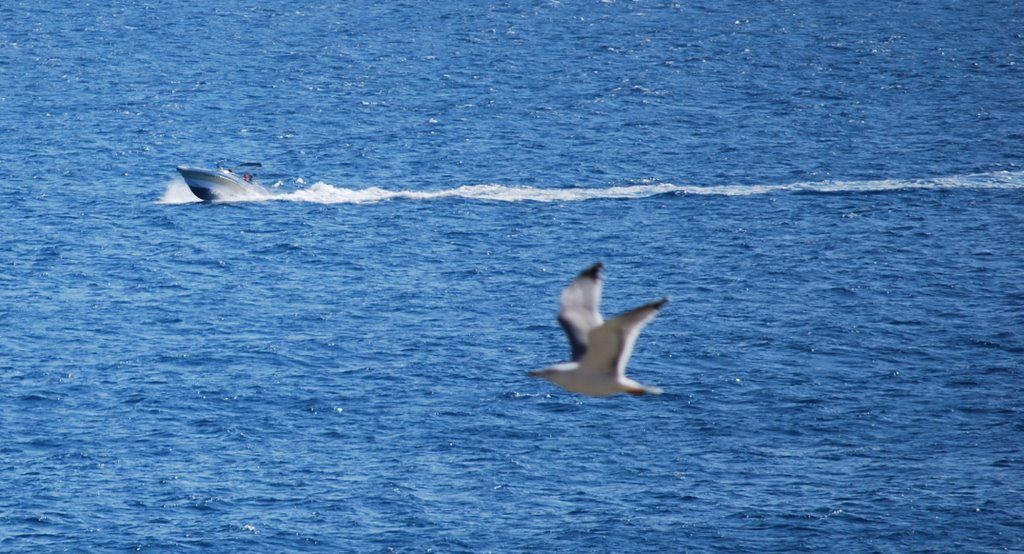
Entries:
{"x":831,"y":194}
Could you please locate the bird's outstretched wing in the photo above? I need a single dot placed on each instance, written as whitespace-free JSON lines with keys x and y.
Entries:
{"x":611,"y":344}
{"x":580,"y":309}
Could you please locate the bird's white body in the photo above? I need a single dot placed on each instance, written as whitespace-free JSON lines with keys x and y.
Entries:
{"x":570,"y":377}
{"x":600,"y":350}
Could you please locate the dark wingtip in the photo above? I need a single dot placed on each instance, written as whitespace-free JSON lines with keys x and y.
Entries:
{"x":594,"y":271}
{"x":657,"y":304}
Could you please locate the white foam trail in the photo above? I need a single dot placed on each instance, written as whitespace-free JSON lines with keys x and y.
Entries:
{"x":324,"y":193}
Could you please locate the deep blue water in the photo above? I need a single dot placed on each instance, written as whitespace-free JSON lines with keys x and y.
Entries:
{"x":832,"y":194}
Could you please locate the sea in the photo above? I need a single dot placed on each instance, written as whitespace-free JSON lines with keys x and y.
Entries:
{"x":831,"y":193}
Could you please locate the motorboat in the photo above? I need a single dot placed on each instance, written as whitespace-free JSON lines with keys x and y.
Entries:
{"x":221,"y":183}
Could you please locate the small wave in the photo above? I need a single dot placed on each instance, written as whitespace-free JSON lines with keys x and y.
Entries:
{"x":324,"y":193}
{"x":178,"y":193}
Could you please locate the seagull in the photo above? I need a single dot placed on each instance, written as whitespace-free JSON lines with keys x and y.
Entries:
{"x":600,"y":350}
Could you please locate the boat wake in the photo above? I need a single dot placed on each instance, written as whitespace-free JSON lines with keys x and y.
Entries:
{"x":323,"y":193}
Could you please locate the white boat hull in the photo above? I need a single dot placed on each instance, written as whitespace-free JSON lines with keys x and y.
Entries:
{"x":213,"y":184}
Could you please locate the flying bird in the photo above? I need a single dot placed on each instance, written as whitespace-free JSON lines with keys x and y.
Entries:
{"x":600,"y":350}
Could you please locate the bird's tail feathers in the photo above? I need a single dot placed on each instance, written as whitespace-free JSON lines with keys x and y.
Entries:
{"x":642,"y":390}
